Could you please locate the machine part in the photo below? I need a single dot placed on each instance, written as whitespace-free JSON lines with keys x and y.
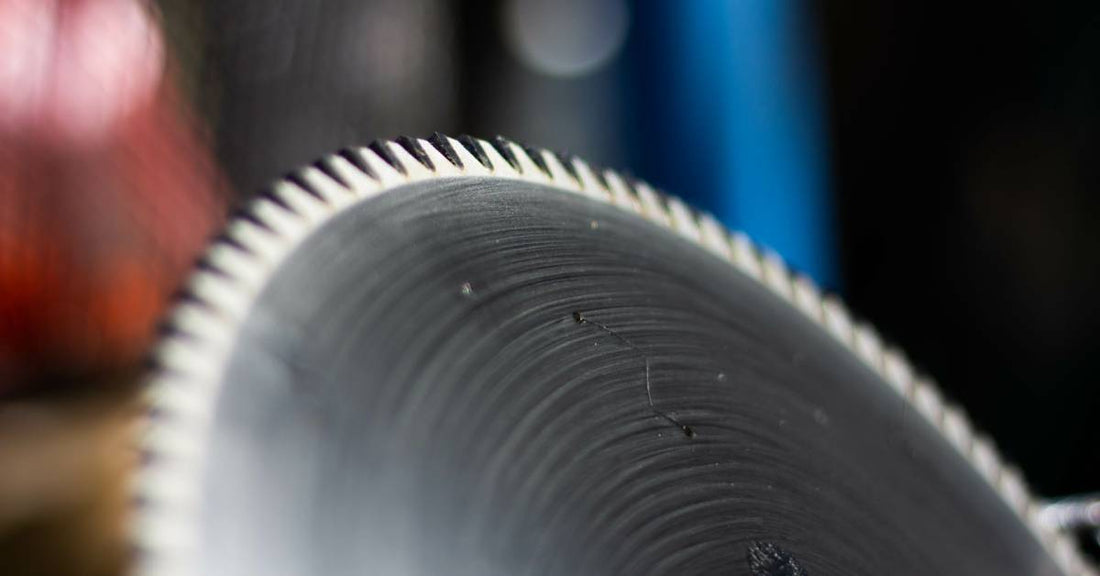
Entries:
{"x":461,"y":357}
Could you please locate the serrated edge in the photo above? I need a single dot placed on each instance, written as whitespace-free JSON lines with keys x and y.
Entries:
{"x":192,"y":357}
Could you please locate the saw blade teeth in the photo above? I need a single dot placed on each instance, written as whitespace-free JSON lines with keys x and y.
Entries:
{"x":354,"y":157}
{"x":590,"y":184}
{"x":199,"y":321}
{"x":443,"y":165}
{"x":470,"y":164}
{"x":230,"y":261}
{"x":712,"y":236}
{"x":745,"y":255}
{"x":897,"y":372}
{"x":1012,"y":487}
{"x":166,"y":541}
{"x":168,"y":481}
{"x":299,"y":198}
{"x":535,"y":154}
{"x":652,"y":207}
{"x":566,"y":161}
{"x":177,"y":401}
{"x":414,"y":148}
{"x":956,"y":427}
{"x":412,"y":168}
{"x":560,"y":174}
{"x":776,"y":275}
{"x":380,"y":169}
{"x":621,"y":194}
{"x":385,"y":152}
{"x":527,"y":165}
{"x":984,"y":457}
{"x":502,"y":166}
{"x":473,"y":146}
{"x":442,"y":143}
{"x":359,"y":181}
{"x":1066,"y":556}
{"x":325,"y":166}
{"x":837,"y":320}
{"x":179,"y":356}
{"x":256,"y":240}
{"x":807,"y":297}
{"x":927,"y":400}
{"x":329,"y":188}
{"x":220,"y":294}
{"x":504,"y":148}
{"x":683,"y":220}
{"x":868,"y":346}
{"x":278,"y":218}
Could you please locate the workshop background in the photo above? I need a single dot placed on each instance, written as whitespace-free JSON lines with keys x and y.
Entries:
{"x":936,"y":166}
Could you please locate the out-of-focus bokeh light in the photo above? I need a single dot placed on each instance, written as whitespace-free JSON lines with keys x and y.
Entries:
{"x":566,"y":37}
{"x":108,"y":191}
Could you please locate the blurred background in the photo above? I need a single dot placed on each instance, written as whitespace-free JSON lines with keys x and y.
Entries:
{"x":935,"y":166}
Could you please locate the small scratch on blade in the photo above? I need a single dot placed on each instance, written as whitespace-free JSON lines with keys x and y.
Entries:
{"x":688,"y":431}
{"x":767,"y":559}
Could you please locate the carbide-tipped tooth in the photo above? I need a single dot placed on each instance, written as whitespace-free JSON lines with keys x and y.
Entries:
{"x":927,"y":400}
{"x":621,"y":194}
{"x":501,"y":165}
{"x":220,"y":294}
{"x":473,"y":146}
{"x":191,"y":358}
{"x":382,"y":170}
{"x":745,"y":255}
{"x":683,"y":220}
{"x":984,"y":457}
{"x":868,"y":346}
{"x":413,"y":147}
{"x":384,"y":149}
{"x":414,"y":169}
{"x":300,"y":200}
{"x":200,"y":322}
{"x":956,"y":428}
{"x":443,"y":165}
{"x":1012,"y":487}
{"x":505,"y":148}
{"x":471,"y":165}
{"x":181,"y":400}
{"x":713,"y":238}
{"x":897,"y":373}
{"x":807,"y":297}
{"x":162,"y":535}
{"x":277,"y":217}
{"x":837,"y":320}
{"x":359,"y":182}
{"x":233,"y":263}
{"x":652,"y":206}
{"x":589,"y":183}
{"x":558,"y":173}
{"x":261,"y":242}
{"x":530,"y":170}
{"x":327,"y":189}
{"x":776,"y":275}
{"x":168,"y":480}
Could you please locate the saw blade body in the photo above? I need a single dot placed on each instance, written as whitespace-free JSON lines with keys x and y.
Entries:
{"x":480,"y":375}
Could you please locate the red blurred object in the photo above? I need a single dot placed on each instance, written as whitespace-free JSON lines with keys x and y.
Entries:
{"x":107,"y":190}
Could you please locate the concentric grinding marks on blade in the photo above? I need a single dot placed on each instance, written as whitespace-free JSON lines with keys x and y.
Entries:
{"x":467,"y":358}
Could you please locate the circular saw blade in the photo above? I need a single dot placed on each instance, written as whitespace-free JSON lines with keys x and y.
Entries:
{"x":468,"y":358}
